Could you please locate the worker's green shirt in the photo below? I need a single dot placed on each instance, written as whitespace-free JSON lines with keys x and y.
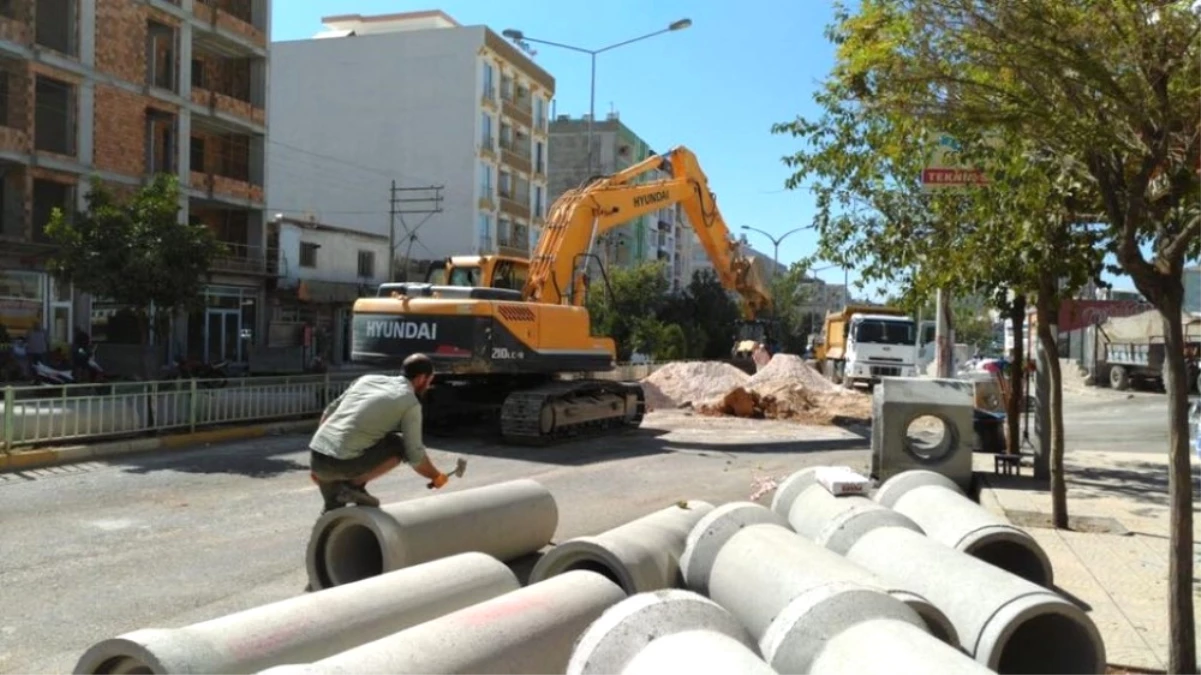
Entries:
{"x":370,"y":408}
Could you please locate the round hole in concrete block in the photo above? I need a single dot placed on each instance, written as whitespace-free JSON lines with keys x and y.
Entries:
{"x":352,"y":553}
{"x":1050,"y":643}
{"x":929,"y":438}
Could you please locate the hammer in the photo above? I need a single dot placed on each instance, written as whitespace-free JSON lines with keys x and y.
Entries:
{"x":460,"y":468}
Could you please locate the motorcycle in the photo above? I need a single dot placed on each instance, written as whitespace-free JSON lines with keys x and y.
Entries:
{"x":45,"y":375}
{"x":207,"y":375}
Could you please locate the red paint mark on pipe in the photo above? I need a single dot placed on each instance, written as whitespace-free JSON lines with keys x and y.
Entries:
{"x":503,"y":607}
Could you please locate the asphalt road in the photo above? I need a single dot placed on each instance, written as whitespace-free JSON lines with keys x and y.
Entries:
{"x":1105,"y":420}
{"x":95,"y":550}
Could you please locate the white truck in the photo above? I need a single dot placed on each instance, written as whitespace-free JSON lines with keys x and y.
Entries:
{"x":862,"y":343}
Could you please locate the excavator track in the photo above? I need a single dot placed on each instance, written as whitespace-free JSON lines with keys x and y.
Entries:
{"x":562,"y":410}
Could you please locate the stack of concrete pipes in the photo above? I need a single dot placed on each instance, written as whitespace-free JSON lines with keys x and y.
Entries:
{"x":423,"y":587}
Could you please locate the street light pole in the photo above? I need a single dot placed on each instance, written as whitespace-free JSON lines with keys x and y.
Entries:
{"x":518,"y":36}
{"x":775,"y":243}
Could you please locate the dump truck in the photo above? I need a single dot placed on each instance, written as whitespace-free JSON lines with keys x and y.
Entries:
{"x":862,"y":343}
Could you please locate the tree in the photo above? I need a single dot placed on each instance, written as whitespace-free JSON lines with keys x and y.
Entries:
{"x":1109,"y":94}
{"x":135,"y":252}
{"x":638,"y":295}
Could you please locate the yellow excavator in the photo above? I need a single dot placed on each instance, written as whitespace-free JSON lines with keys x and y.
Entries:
{"x":509,"y":335}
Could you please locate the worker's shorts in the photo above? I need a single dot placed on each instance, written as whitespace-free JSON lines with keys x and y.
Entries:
{"x":329,"y":468}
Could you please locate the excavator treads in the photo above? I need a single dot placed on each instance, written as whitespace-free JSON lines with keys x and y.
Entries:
{"x":527,"y":419}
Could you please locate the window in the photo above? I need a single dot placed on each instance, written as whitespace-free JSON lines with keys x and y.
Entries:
{"x":539,"y":111}
{"x":506,"y":184}
{"x":538,"y":158}
{"x":506,"y":136}
{"x":485,"y":232}
{"x":160,"y":142}
{"x":486,"y":130}
{"x":502,"y":232}
{"x":198,"y":74}
{"x":160,"y":56}
{"x":485,"y":180}
{"x":55,"y":25}
{"x":308,"y":254}
{"x":489,"y":81}
{"x":366,"y":264}
{"x":537,"y":201}
{"x":54,"y":116}
{"x":506,"y":87}
{"x":196,"y":160}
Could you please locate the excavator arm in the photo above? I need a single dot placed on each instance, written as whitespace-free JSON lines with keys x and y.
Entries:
{"x":580,"y":215}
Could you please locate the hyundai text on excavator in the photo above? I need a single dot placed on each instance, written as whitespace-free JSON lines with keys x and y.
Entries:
{"x":514,"y":336}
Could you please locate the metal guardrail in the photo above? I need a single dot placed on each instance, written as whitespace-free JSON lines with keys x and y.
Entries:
{"x":38,"y":415}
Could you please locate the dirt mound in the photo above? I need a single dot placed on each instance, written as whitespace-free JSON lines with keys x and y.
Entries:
{"x":791,"y":369}
{"x":793,"y":402}
{"x":691,"y":383}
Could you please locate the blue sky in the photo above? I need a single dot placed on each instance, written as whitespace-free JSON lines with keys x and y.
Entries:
{"x":716,"y":87}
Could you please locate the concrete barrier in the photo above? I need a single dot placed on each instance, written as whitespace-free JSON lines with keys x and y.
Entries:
{"x":635,"y":636}
{"x":505,"y":520}
{"x":308,"y":627}
{"x":1008,"y":624}
{"x":776,"y":565}
{"x":531,"y":630}
{"x":834,"y":523}
{"x":947,"y":516}
{"x":642,"y":555}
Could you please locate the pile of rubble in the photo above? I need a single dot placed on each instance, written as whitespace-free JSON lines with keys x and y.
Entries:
{"x":915,"y":572}
{"x":786,"y":388}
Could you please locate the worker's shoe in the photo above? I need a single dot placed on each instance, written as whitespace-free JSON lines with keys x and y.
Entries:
{"x":357,"y":494}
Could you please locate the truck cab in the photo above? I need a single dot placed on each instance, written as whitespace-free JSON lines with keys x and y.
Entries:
{"x":879,"y":345}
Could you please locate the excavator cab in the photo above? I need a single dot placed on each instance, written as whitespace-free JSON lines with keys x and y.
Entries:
{"x":480,"y":271}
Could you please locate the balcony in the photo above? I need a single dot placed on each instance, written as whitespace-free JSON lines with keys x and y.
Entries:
{"x":488,"y":146}
{"x":232,"y":16}
{"x":487,"y":200}
{"x":519,"y":109}
{"x":516,"y":155}
{"x":488,"y":98}
{"x":216,"y":185}
{"x":540,"y":170}
{"x":484,"y":245}
{"x":514,"y":207}
{"x":241,"y":259}
{"x":217,"y":102}
{"x":14,"y":109}
{"x":540,"y":126}
{"x":515,"y":243}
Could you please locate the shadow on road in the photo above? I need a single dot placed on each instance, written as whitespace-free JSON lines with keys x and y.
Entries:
{"x":256,"y":463}
{"x":1142,"y":482}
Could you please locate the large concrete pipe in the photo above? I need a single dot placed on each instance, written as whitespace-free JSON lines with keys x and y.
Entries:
{"x":642,"y":555}
{"x":712,"y":532}
{"x":1007,"y":623}
{"x":936,"y":503}
{"x":628,"y":629}
{"x":776,"y":565}
{"x":833,"y":522}
{"x":531,"y":630}
{"x":309,"y":627}
{"x":505,"y":520}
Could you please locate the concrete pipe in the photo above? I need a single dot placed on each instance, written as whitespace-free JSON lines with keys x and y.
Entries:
{"x":772,"y":565}
{"x":936,"y":503}
{"x":309,"y":627}
{"x":531,"y":630}
{"x":628,"y":628}
{"x":712,"y":532}
{"x":697,"y":652}
{"x":1007,"y":623}
{"x":642,"y":555}
{"x":884,"y":637}
{"x":505,"y":520}
{"x":834,"y":522}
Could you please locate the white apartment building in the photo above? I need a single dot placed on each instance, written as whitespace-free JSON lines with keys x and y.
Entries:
{"x":423,"y":100}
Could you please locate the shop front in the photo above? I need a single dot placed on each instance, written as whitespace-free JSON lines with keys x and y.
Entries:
{"x":225,"y":329}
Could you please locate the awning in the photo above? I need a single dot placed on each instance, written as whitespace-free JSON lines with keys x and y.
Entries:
{"x":330,"y":292}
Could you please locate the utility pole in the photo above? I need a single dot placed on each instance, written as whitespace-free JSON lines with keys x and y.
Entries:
{"x":425,"y":200}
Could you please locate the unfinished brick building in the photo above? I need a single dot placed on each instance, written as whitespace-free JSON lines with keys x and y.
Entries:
{"x":120,"y":90}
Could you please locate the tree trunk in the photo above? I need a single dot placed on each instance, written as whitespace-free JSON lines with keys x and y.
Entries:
{"x":1047,"y":311}
{"x":1017,"y":398}
{"x":1182,"y":651}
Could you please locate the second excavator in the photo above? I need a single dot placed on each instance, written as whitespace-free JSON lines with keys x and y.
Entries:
{"x":513,"y":337}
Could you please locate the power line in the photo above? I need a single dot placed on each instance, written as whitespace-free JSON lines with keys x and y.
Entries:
{"x":425,"y":200}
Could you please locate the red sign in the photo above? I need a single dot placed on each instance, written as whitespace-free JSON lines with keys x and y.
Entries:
{"x":1076,"y":314}
{"x":953,"y":177}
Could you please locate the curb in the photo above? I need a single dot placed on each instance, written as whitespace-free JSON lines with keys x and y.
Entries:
{"x":21,"y":460}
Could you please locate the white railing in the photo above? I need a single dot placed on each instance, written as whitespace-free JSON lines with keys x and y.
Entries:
{"x":37,"y":415}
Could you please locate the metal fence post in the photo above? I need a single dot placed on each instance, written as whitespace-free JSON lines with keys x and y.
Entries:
{"x":325,"y":398}
{"x":193,"y":405}
{"x":10,"y":398}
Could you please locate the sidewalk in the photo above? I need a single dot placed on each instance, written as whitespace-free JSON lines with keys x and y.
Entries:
{"x":1114,"y":559}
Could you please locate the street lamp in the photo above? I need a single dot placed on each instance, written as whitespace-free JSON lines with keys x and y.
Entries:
{"x":776,"y":243}
{"x":518,"y":36}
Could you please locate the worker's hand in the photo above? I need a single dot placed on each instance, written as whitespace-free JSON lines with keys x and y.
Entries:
{"x":438,"y":481}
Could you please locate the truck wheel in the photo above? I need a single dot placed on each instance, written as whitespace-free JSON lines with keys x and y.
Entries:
{"x":1119,"y":379}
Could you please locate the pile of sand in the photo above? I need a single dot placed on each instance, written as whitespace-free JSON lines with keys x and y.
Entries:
{"x":791,"y":369}
{"x":687,"y":383}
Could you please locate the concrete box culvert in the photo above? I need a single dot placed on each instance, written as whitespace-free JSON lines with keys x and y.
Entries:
{"x":761,"y":568}
{"x":642,"y":555}
{"x":1005,"y":622}
{"x":530,"y":630}
{"x":505,"y":520}
{"x":712,"y":532}
{"x":309,"y":627}
{"x":949,"y":517}
{"x":805,"y":636}
{"x":628,"y":628}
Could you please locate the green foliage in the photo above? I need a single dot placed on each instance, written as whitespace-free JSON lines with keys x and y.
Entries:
{"x":135,"y":252}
